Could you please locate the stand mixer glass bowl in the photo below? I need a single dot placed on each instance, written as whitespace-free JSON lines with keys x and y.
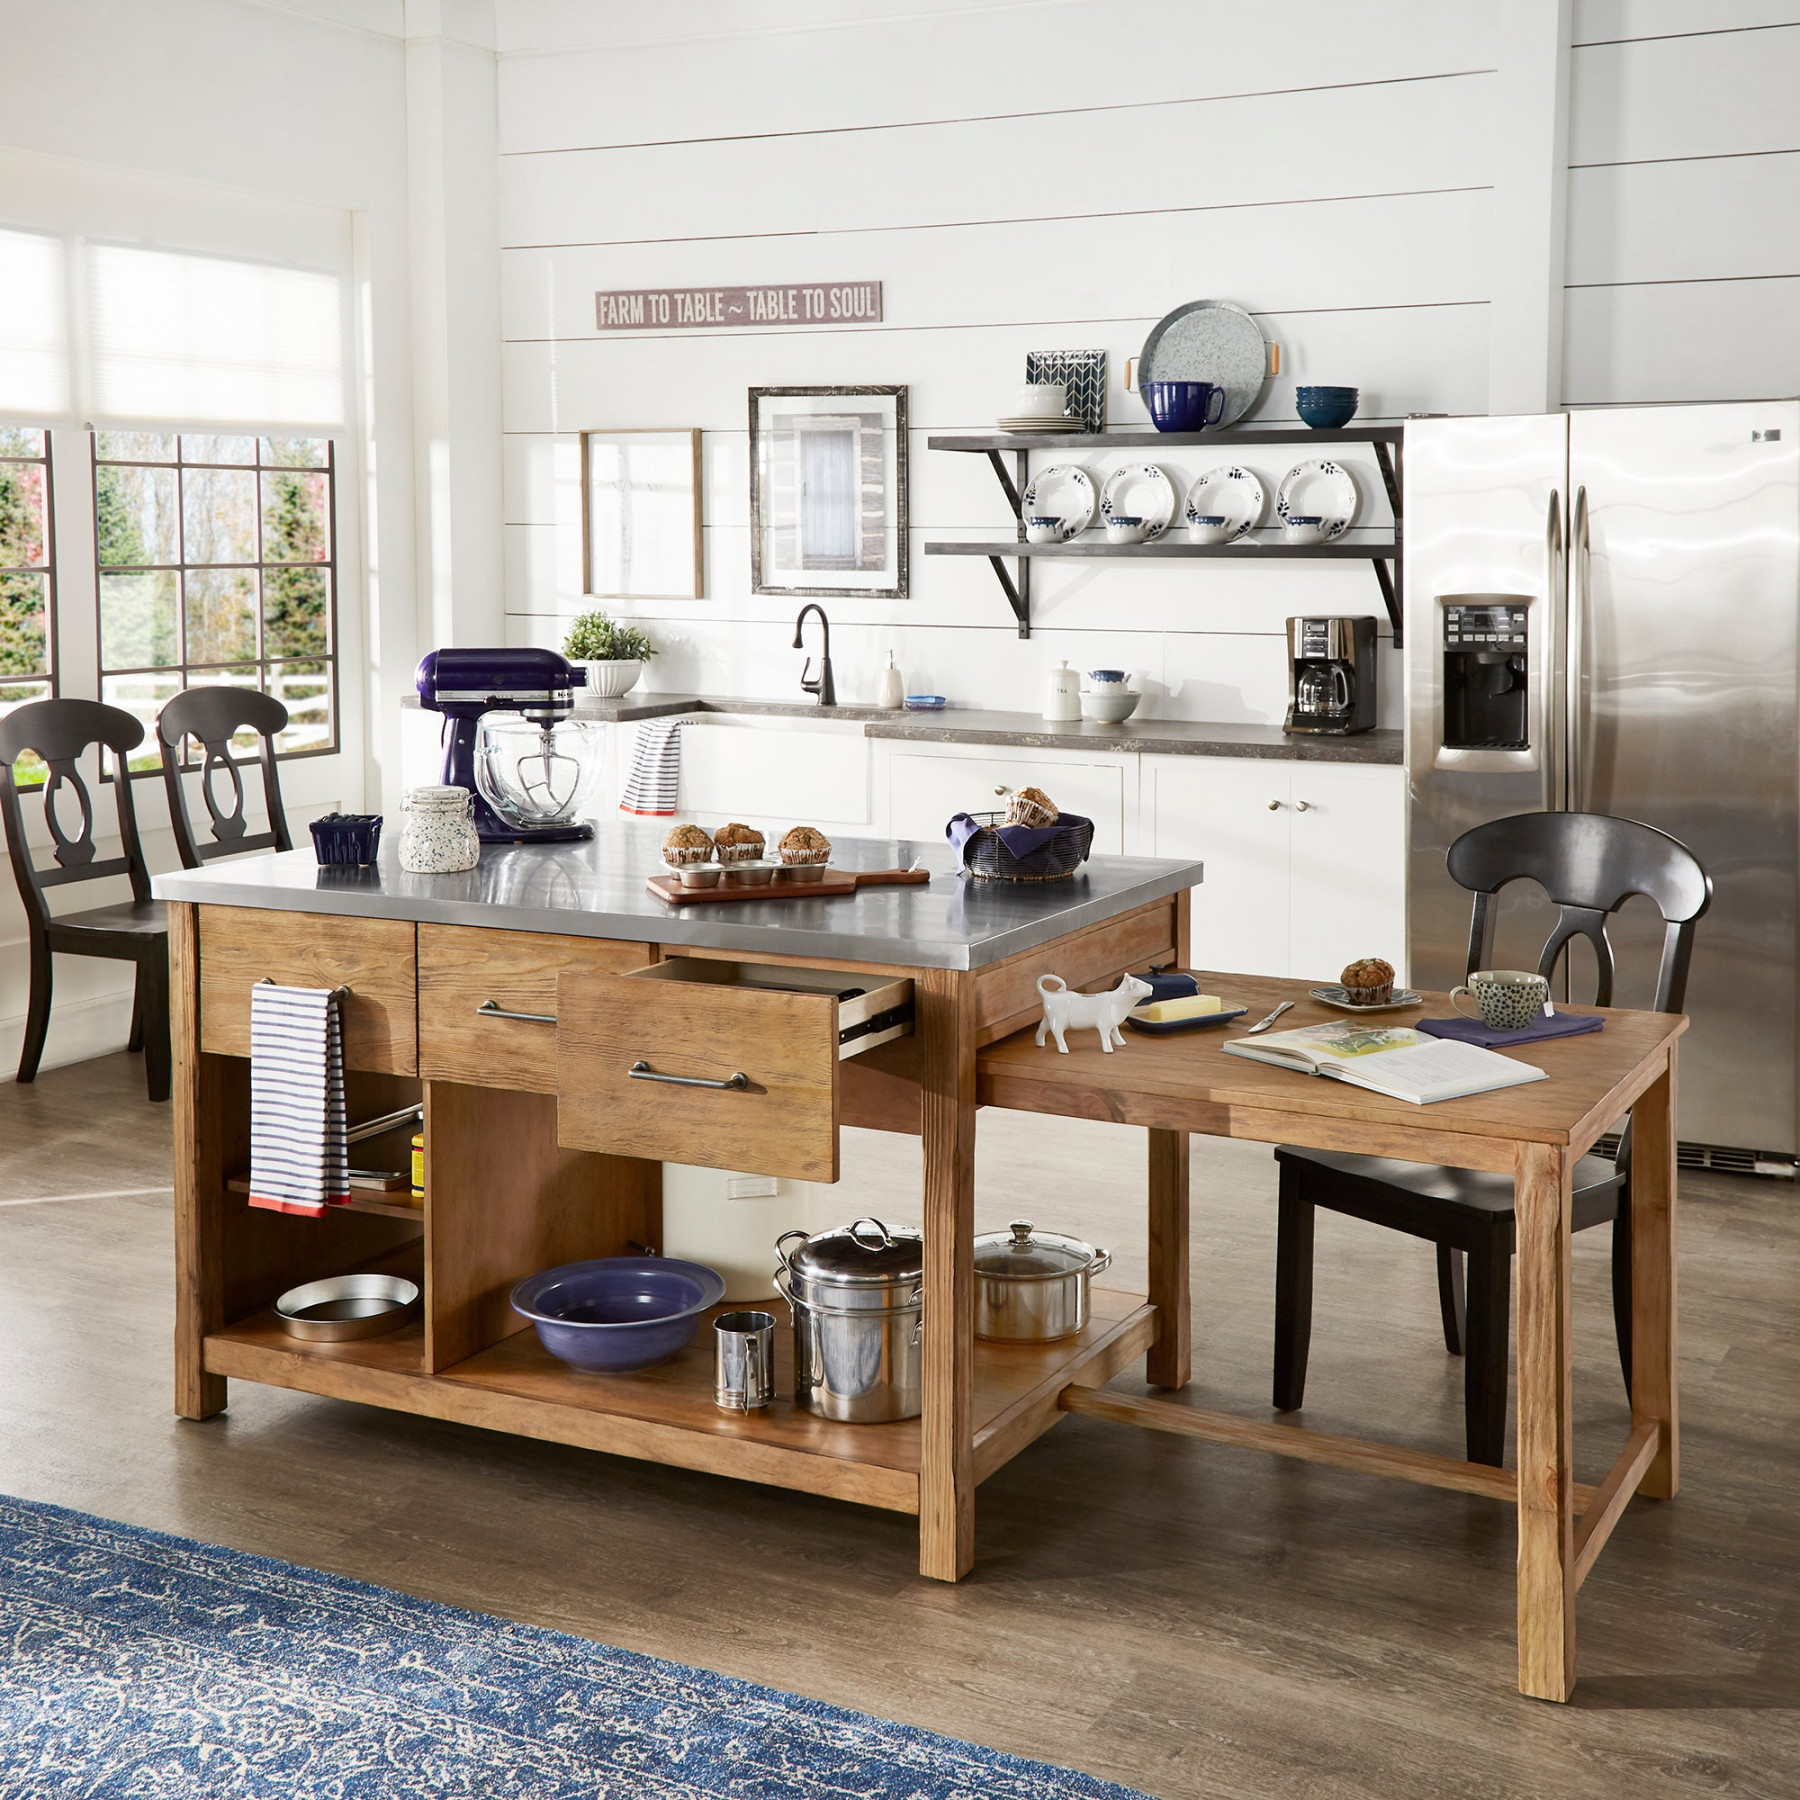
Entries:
{"x":537,"y":775}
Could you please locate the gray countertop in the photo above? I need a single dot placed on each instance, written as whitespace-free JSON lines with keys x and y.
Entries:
{"x":967,"y":725}
{"x":597,"y":889}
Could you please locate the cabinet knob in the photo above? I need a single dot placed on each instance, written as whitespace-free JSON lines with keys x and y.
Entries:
{"x":1302,"y":806}
{"x":1274,"y":806}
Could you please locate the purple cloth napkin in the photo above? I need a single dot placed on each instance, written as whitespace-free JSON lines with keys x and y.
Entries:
{"x":1020,"y":840}
{"x":1472,"y":1031}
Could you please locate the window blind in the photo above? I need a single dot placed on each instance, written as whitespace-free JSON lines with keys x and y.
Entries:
{"x":34,"y":344}
{"x":179,"y":339}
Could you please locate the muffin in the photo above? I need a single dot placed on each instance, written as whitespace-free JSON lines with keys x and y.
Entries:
{"x":686,"y":846}
{"x":804,"y":852}
{"x":737,"y":844}
{"x":1368,"y":982}
{"x":1031,"y":806}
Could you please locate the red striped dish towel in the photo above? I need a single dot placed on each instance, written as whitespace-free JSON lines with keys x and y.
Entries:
{"x":299,"y":1146}
{"x":653,"y":787}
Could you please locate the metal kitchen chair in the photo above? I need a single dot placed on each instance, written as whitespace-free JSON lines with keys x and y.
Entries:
{"x":213,"y":716}
{"x":135,"y":931}
{"x":1589,"y":865}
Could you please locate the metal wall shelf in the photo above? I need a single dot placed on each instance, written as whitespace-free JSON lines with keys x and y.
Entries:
{"x":1384,"y":555}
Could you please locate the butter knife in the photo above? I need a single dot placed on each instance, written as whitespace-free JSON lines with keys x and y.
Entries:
{"x":1264,"y":1024}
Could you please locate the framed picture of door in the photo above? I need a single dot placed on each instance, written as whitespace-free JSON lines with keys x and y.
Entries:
{"x":828,"y":491}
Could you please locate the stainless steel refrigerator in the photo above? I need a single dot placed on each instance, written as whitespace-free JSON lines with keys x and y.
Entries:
{"x":1602,"y":614}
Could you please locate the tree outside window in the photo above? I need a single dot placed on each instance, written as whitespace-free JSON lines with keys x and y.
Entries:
{"x":27,"y":579}
{"x":217,"y":566}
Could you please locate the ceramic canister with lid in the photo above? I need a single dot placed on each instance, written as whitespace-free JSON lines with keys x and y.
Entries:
{"x":1031,"y":1286}
{"x":1062,"y":694}
{"x":439,"y":836}
{"x":856,"y":1296}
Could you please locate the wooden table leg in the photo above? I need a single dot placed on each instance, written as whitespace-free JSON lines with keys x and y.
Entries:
{"x":199,"y":1180}
{"x":1654,"y":1347}
{"x":1546,"y":1446}
{"x":944,"y":1021}
{"x":1168,"y":1363}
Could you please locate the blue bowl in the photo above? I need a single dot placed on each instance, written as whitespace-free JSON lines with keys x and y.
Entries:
{"x":618,"y":1312}
{"x":1183,"y":405}
{"x":1326,"y":409}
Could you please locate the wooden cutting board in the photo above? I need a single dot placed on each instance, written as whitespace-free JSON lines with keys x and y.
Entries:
{"x":832,"y":882}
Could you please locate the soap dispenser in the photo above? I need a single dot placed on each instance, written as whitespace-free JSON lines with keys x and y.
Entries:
{"x":1062,"y":700}
{"x":893,"y":687}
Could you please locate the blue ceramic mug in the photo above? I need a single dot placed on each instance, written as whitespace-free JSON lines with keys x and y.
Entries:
{"x":1184,"y":405}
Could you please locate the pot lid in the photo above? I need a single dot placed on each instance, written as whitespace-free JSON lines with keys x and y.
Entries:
{"x":866,"y":1251}
{"x":1023,"y":1253}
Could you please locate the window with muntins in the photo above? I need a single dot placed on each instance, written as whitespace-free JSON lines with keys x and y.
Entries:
{"x":27,"y":577}
{"x":218,"y":566}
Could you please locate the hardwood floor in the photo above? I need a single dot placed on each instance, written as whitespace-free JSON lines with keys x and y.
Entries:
{"x":1191,"y":1620}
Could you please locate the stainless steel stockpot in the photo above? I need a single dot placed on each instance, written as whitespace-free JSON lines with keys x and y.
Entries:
{"x":1031,"y":1287}
{"x":856,"y":1296}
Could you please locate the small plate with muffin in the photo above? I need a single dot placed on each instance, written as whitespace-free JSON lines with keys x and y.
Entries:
{"x":1366,"y":985}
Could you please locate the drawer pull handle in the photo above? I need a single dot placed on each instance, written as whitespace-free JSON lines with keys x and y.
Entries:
{"x":642,"y":1071}
{"x":492,"y":1009}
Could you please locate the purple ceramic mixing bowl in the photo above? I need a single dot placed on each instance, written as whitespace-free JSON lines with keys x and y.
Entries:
{"x":618,"y":1312}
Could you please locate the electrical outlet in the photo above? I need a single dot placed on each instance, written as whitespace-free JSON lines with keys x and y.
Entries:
{"x":752,"y":1187}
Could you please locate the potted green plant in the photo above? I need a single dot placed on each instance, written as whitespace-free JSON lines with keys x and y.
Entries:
{"x":613,"y":655}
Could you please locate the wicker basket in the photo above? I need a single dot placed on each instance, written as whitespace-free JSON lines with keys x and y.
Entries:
{"x":987,"y":858}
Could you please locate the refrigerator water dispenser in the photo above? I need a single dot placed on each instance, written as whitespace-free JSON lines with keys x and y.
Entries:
{"x":1487,"y":671}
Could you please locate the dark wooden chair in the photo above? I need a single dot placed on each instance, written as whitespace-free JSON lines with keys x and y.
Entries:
{"x":1589,"y":866}
{"x":134,"y":931}
{"x":213,"y":716}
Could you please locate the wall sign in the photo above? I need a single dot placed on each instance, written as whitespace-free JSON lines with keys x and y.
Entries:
{"x":694,"y":309}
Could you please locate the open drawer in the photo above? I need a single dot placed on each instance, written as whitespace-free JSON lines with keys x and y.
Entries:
{"x":732,"y":1065}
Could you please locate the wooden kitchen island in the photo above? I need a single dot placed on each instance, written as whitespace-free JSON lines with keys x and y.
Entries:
{"x":514,"y":1002}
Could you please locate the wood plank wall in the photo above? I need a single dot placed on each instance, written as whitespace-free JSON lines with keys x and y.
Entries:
{"x":1028,"y":176}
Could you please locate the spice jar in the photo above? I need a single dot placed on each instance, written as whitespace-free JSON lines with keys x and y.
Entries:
{"x":439,"y":836}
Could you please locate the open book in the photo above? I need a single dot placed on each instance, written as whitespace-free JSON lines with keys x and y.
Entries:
{"x":1388,"y":1059}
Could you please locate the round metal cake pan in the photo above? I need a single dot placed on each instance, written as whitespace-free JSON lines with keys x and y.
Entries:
{"x":344,"y":1307}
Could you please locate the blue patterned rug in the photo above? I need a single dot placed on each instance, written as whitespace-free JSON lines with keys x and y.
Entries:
{"x":134,"y":1664}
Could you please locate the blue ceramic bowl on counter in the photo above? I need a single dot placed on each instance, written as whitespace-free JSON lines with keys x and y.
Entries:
{"x":618,"y":1312}
{"x":1326,"y":408}
{"x":1183,"y":405}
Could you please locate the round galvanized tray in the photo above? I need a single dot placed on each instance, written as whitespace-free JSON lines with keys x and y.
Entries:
{"x":1210,"y":340}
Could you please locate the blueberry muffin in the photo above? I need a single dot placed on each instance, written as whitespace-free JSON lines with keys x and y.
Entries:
{"x":687,"y":846}
{"x":737,"y":844}
{"x":1031,"y":806}
{"x":804,"y":852}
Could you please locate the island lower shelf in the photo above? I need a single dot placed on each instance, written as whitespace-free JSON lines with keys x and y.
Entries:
{"x":667,"y":1414}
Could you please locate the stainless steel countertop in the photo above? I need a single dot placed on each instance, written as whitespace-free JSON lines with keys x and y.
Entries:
{"x":597,"y":890}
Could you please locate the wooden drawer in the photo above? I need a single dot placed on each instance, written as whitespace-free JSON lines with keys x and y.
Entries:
{"x":731,"y":1065}
{"x":373,"y":958}
{"x":464,"y":970}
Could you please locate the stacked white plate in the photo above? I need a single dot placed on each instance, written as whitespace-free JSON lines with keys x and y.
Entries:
{"x":1041,"y":425}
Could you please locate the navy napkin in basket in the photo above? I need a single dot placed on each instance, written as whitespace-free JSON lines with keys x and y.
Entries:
{"x":1020,"y":840}
{"x":1472,"y":1031}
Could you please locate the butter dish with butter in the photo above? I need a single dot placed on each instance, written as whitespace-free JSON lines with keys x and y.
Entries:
{"x":1159,"y":1017}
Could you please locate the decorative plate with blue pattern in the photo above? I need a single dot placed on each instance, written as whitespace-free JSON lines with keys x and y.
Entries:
{"x":1335,"y":496}
{"x":1155,"y":504}
{"x":1230,"y":491}
{"x":1063,"y":491}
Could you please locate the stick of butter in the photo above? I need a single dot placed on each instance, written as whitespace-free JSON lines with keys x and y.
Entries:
{"x":1165,"y":1012}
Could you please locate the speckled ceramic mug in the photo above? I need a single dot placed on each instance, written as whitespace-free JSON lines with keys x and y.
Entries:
{"x":1507,"y":999}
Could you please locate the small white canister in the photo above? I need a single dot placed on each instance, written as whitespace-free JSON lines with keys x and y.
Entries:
{"x":439,"y":835}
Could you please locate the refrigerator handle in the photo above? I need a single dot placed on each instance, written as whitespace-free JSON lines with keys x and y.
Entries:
{"x":1555,"y":761}
{"x":1572,"y":652}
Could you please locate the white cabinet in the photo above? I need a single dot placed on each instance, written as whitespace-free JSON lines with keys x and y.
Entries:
{"x":928,"y":787}
{"x":1304,"y":861}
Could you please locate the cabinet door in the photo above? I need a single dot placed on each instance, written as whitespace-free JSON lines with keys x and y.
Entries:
{"x":1347,"y":869}
{"x":1233,"y":816}
{"x":926,"y":790}
{"x":813,"y":774}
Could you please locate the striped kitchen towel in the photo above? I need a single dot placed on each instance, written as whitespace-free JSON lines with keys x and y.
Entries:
{"x":653,"y":788}
{"x":299,"y":1148}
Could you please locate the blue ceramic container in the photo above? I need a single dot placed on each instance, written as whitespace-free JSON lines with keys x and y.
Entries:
{"x":619,"y":1312}
{"x":1184,"y":405}
{"x":1326,"y":408}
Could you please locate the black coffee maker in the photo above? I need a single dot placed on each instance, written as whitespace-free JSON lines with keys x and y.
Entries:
{"x":1331,"y":675}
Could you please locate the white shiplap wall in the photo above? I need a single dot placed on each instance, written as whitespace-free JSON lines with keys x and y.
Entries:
{"x":1052,"y":174}
{"x":1684,"y":201}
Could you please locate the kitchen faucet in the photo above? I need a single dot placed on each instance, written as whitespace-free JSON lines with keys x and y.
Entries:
{"x":823,"y":686}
